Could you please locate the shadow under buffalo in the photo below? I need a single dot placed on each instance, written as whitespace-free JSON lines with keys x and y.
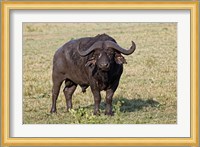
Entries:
{"x":130,"y":105}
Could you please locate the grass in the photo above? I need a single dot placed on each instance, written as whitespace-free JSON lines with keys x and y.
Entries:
{"x":147,"y":93}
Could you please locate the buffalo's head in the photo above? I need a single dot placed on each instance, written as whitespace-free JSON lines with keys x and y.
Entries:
{"x":105,"y":53}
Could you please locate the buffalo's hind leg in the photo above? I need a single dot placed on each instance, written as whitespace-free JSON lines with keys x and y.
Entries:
{"x":57,"y":80}
{"x":55,"y":93}
{"x":69,"y":89}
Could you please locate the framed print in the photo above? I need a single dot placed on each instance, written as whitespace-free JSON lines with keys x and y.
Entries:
{"x":100,"y":73}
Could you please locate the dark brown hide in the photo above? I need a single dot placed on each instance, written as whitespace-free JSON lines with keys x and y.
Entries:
{"x":100,"y":68}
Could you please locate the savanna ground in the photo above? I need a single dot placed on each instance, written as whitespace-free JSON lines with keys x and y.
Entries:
{"x":147,"y":92}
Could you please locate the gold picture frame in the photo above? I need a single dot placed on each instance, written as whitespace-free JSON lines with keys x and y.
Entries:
{"x":193,"y":140}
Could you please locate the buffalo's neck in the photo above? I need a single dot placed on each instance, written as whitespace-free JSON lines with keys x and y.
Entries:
{"x":101,"y":79}
{"x":105,"y":79}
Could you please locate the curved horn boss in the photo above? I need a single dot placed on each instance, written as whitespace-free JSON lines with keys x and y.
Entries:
{"x":96,"y":45}
{"x":120,"y":49}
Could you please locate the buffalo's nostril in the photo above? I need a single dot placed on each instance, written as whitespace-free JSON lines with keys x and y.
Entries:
{"x":107,"y":65}
{"x":104,"y":65}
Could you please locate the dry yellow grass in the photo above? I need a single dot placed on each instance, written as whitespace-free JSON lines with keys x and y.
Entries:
{"x":147,"y":91}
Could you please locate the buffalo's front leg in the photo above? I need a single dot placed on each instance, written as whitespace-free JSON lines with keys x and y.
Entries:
{"x":68,"y":92}
{"x":97,"y":100}
{"x":109,"y":96}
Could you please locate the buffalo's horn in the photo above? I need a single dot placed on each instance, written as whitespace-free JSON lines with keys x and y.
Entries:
{"x":96,"y":45}
{"x":120,"y":49}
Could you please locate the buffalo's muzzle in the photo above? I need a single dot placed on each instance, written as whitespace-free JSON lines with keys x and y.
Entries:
{"x":104,"y":66}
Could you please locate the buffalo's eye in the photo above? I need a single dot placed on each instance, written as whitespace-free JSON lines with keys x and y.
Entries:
{"x":96,"y":54}
{"x":110,"y":53}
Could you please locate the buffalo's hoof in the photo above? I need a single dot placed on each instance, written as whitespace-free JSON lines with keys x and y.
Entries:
{"x":111,"y":113}
{"x":53,"y":111}
{"x":97,"y":113}
{"x":68,"y":109}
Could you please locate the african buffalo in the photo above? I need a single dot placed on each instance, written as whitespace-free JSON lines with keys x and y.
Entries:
{"x":92,"y":61}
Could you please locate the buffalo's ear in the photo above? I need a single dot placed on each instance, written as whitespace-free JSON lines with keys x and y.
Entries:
{"x":91,"y":62}
{"x":119,"y":59}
